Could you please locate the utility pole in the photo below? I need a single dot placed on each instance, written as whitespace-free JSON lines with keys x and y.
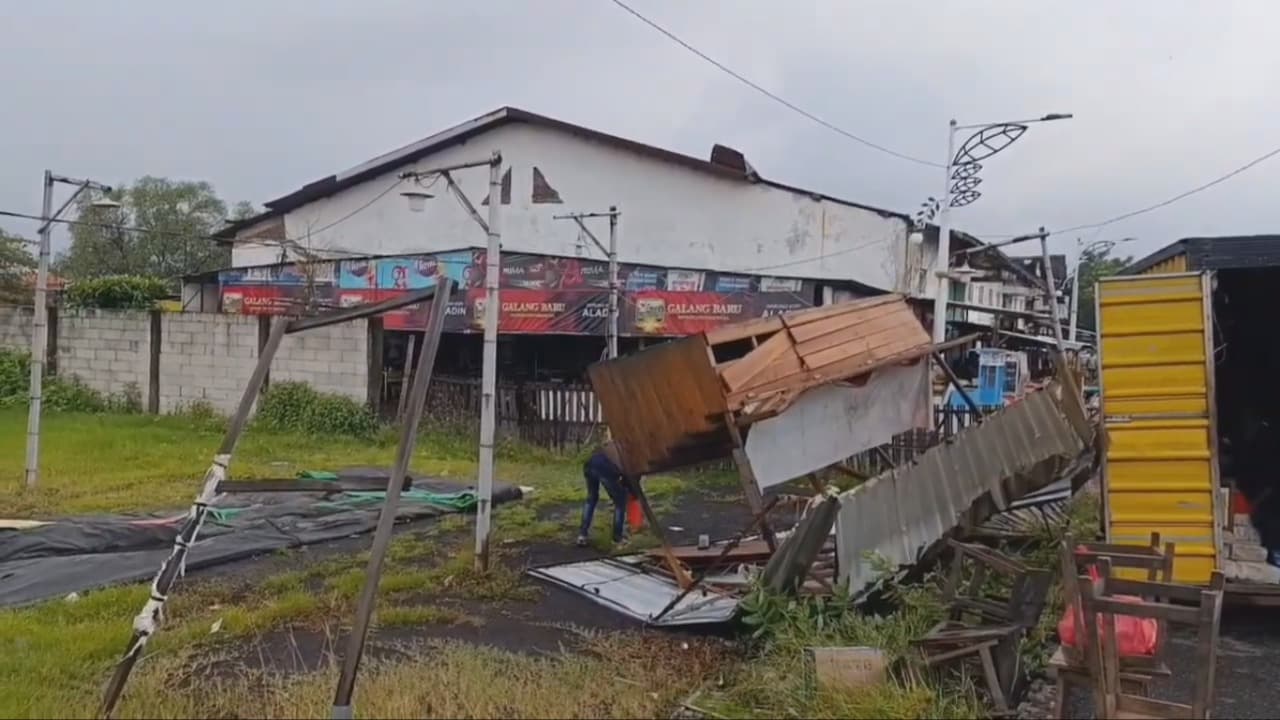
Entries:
{"x":489,"y":366}
{"x":612,"y":253}
{"x":1075,"y":291}
{"x":942,"y":265}
{"x":489,"y":361}
{"x":40,"y":320}
{"x":1050,"y":291}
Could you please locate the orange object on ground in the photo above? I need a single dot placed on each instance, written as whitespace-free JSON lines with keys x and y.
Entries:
{"x":635,"y":514}
{"x":1136,"y":636}
{"x":1240,"y":504}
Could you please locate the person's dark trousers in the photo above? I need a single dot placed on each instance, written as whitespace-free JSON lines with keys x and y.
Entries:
{"x":617,"y":494}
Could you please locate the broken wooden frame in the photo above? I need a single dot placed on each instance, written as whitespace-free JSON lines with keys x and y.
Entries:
{"x":993,"y":638}
{"x":694,"y":399}
{"x":149,"y":619}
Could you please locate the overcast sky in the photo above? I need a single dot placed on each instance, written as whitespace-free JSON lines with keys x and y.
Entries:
{"x":259,"y":97}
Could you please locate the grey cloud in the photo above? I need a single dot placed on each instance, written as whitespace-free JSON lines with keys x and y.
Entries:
{"x":260,"y":97}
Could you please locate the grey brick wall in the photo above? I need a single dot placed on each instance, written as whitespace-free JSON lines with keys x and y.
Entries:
{"x":331,"y":359}
{"x":202,"y":356}
{"x":15,"y":326}
{"x":109,"y":350}
{"x":205,"y":356}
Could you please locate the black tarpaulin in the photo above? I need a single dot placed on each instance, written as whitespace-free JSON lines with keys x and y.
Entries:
{"x":77,"y":554}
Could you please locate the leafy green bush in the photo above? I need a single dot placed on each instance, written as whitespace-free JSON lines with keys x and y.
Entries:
{"x":135,"y":292}
{"x":68,"y":394}
{"x":298,"y":407}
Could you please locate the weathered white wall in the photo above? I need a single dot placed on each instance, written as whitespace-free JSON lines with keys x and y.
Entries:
{"x":671,"y":215}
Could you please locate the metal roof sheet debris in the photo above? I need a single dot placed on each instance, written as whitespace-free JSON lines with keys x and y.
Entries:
{"x":902,"y":513}
{"x":667,"y":405}
{"x":624,"y":585}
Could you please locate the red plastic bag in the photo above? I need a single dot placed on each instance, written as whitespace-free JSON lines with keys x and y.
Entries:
{"x":1136,"y":636}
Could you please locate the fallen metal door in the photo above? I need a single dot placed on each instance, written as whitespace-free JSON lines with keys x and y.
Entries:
{"x":1160,"y":471}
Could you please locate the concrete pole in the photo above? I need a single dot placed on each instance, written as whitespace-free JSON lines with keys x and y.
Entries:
{"x":1050,"y":290}
{"x":39,"y":336}
{"x":613,"y":282}
{"x":943,"y":263}
{"x":1075,"y":291}
{"x":489,"y":367}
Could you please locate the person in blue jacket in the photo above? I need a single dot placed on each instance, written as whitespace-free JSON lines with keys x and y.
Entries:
{"x":603,"y":469}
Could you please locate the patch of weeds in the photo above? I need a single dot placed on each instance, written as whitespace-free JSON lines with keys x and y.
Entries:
{"x":416,"y":615}
{"x":289,"y":608}
{"x":298,"y":407}
{"x":519,"y":522}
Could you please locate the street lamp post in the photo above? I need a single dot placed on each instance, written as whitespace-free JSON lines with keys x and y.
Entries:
{"x":1081,"y":249}
{"x":960,"y":188}
{"x":40,"y":320}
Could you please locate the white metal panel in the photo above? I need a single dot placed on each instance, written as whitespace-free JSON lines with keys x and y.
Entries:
{"x":830,"y":423}
{"x":621,"y":586}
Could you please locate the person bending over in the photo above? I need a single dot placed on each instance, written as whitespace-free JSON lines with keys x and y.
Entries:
{"x":602,"y":469}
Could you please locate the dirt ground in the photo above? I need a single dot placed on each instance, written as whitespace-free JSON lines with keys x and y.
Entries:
{"x":547,"y":621}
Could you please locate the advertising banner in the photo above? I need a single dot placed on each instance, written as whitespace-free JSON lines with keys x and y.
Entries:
{"x":540,"y":294}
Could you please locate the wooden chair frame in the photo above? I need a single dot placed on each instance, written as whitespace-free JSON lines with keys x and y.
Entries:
{"x":1199,"y":608}
{"x":1071,"y":667}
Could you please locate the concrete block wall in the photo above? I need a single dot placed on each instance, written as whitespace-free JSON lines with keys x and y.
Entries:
{"x":110,"y":350}
{"x":332,"y":359}
{"x":201,"y":356}
{"x":205,"y":357}
{"x":15,"y":326}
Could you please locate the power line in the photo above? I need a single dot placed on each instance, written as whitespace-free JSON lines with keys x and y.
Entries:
{"x":1163,"y":203}
{"x":772,"y":96}
{"x":286,"y":242}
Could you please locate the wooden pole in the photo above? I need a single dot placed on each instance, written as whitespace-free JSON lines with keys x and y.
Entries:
{"x":342,"y":699}
{"x":148,"y":620}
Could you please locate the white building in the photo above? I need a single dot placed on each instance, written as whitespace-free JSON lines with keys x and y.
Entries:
{"x":676,"y":210}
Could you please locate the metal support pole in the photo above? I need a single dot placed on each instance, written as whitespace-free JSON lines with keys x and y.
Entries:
{"x":943,"y":263}
{"x":489,"y":368}
{"x":147,"y":622}
{"x":342,"y":699}
{"x":1050,"y":291}
{"x":39,"y":335}
{"x":613,"y":282}
{"x":1075,"y":290}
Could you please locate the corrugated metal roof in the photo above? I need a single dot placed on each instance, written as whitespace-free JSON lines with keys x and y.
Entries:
{"x":618,"y":584}
{"x":900,"y":514}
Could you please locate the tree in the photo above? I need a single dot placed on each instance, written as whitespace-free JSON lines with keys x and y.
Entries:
{"x":175,"y":219}
{"x":1095,"y":264}
{"x":16,"y":263}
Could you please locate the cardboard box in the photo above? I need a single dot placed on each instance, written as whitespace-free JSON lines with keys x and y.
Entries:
{"x":847,"y":668}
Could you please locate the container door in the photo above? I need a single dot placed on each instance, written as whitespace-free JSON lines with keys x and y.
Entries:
{"x":1160,"y":471}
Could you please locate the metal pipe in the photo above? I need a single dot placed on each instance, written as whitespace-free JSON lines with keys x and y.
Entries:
{"x":613,"y":282}
{"x":942,"y":264}
{"x":39,"y":336}
{"x":342,"y":699}
{"x":489,"y":368}
{"x":414,"y":174}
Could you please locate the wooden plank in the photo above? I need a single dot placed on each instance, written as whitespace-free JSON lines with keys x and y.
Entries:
{"x":880,"y":344}
{"x":744,"y":330}
{"x":852,"y":317}
{"x":818,"y":314}
{"x":850,"y":367}
{"x":740,"y":374}
{"x":871,"y":326}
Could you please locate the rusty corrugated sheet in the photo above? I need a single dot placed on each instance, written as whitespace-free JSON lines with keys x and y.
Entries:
{"x":900,"y":514}
{"x":664,"y":406}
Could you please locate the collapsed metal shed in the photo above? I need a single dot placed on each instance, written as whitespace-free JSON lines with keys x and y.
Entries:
{"x":684,"y":402}
{"x":1015,"y":451}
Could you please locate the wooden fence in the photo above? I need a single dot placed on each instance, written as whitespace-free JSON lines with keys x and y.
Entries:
{"x":559,"y":416}
{"x":566,"y":416}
